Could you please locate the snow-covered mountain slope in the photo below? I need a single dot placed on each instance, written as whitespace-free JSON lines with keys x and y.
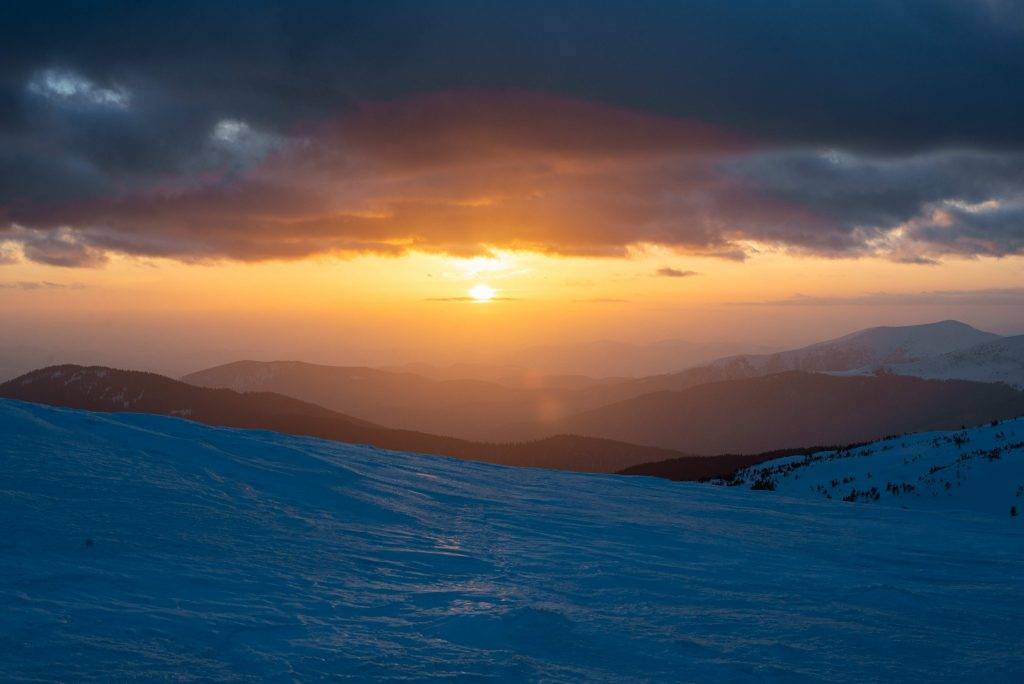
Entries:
{"x":980,"y":469}
{"x":146,"y":547}
{"x":869,"y":348}
{"x":1001,"y":360}
{"x":859,"y":353}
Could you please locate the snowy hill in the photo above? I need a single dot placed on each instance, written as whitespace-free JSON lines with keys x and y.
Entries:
{"x":869,"y":348}
{"x":979,"y":469}
{"x":147,"y":547}
{"x":859,"y":353}
{"x":1001,"y":360}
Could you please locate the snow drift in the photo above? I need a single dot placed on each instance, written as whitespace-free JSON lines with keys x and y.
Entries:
{"x":138,"y":546}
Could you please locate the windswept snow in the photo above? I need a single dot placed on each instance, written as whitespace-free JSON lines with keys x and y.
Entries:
{"x":980,"y":469}
{"x":228,"y":554}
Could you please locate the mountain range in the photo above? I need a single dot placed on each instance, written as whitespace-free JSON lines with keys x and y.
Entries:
{"x":513,"y":409}
{"x":467,"y":408}
{"x":744,"y":417}
{"x":864,"y":351}
{"x":107,"y":389}
{"x":859,"y":387}
{"x":793,"y":408}
{"x":610,"y":358}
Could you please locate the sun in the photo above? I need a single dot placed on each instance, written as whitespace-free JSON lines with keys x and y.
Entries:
{"x":482,"y":293}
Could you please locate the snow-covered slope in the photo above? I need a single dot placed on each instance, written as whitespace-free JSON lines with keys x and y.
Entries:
{"x":144,"y":547}
{"x":869,"y":348}
{"x":980,"y":469}
{"x":860,"y":353}
{"x":1001,"y":360}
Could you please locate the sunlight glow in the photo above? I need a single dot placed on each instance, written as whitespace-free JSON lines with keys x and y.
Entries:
{"x":482,"y":293}
{"x":499,"y":264}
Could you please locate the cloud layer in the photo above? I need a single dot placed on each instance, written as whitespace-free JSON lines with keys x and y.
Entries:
{"x":284,"y":133}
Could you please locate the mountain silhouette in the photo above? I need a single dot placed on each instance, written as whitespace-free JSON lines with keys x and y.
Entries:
{"x":105,"y":389}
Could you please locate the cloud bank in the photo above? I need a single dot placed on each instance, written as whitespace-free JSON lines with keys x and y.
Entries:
{"x":288,"y":133}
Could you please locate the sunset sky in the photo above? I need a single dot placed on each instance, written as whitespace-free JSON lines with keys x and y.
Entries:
{"x":195,"y":182}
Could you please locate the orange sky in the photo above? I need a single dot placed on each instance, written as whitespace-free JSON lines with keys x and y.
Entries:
{"x":331,"y":184}
{"x":360,"y":239}
{"x":371,"y":309}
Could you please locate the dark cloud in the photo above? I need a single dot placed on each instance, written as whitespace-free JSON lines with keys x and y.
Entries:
{"x":912,"y":207}
{"x":201,"y":131}
{"x":864,"y":72}
{"x":993,"y":228}
{"x":455,"y":173}
{"x":669,"y":272}
{"x":58,"y":248}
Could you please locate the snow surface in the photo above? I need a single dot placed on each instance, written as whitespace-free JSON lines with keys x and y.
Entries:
{"x":998,"y":361}
{"x":228,"y":554}
{"x":980,"y":470}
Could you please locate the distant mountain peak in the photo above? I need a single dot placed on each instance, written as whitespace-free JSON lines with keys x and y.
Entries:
{"x":866,"y":349}
{"x":999,"y":360}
